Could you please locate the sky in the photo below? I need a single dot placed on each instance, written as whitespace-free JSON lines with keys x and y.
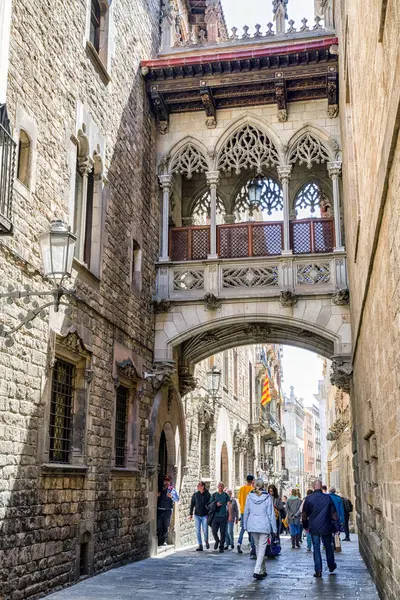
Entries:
{"x":250,"y":12}
{"x":302,"y":369}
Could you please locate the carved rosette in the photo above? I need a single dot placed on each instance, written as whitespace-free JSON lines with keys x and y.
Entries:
{"x":341,"y":373}
{"x":341,"y":297}
{"x":211,"y":302}
{"x":288,"y":299}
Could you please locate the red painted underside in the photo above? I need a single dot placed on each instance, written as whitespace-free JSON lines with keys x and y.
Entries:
{"x":240,"y":54}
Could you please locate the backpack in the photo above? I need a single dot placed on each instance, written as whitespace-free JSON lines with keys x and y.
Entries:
{"x":348,"y":507}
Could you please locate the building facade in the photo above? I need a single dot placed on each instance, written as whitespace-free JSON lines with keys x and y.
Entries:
{"x":293,"y":421}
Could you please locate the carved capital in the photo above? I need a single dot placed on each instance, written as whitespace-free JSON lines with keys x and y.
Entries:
{"x":211,"y":302}
{"x":165,"y":182}
{"x":288,"y":299}
{"x":341,"y":297}
{"x":85,"y":165}
{"x":341,"y":372}
{"x":212,"y":178}
{"x":334,"y":169}
{"x":284,"y":173}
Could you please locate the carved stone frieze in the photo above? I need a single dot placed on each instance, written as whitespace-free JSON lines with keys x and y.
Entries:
{"x":341,"y":372}
{"x":211,"y":302}
{"x":258,"y":331}
{"x":341,"y":297}
{"x":288,"y":298}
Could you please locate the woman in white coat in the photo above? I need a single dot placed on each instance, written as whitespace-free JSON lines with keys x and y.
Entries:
{"x":260,"y":521}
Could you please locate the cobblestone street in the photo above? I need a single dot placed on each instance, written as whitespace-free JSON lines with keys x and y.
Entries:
{"x":189,"y":574}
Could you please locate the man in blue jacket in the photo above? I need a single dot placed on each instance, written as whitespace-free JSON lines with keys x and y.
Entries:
{"x":321,"y":519}
{"x":338,"y":502}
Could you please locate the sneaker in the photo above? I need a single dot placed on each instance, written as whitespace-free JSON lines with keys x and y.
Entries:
{"x":221,"y":550}
{"x":240,"y":551}
{"x":226,"y":547}
{"x":346,"y":540}
{"x":318,"y":574}
{"x":216,"y":544}
{"x":199,"y":548}
{"x":333,"y":568}
{"x":207,"y":545}
{"x":253,"y":557}
{"x":233,"y":547}
{"x":308,"y":549}
{"x":259,"y":576}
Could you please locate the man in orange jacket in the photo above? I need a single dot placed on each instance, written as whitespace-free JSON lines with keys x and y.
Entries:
{"x":243,"y":493}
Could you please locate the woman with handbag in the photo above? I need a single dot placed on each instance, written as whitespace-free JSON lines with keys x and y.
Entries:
{"x":259,"y":520}
{"x":293,"y":507}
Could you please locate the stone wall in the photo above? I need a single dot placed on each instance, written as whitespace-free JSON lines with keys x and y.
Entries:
{"x":56,"y":88}
{"x":370,"y":117}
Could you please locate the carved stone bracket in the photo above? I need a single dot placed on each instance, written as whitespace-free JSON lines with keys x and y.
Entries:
{"x":160,"y":109}
{"x":206,"y":412}
{"x":333,"y":95}
{"x":187,"y":382}
{"x":281,"y":103}
{"x":341,"y":373}
{"x":161,"y":306}
{"x":341,"y":297}
{"x":211,"y":302}
{"x":209,"y":107}
{"x":288,"y":299}
{"x":161,"y":374}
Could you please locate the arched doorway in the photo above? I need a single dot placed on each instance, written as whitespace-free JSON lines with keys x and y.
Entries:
{"x":224,"y":470}
{"x":162,"y":457}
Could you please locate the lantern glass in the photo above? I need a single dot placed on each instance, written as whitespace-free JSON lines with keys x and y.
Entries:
{"x":255,"y":190}
{"x":57,"y":246}
{"x":213,"y":380}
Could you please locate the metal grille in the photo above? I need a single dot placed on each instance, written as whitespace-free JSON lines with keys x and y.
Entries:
{"x":62,"y":390}
{"x":323,"y":236}
{"x":179,"y":244}
{"x":233,"y":241}
{"x":120,"y":425}
{"x":7,"y":166}
{"x":301,"y":237}
{"x":267,"y":239}
{"x":200,"y":243}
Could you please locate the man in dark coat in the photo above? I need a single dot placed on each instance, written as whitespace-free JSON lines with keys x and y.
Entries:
{"x":200,"y":500}
{"x":321,"y":520}
{"x":164,"y":510}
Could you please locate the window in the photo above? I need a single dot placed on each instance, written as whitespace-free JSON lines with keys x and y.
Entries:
{"x":235,"y":373}
{"x":85,"y":190}
{"x":62,"y":392}
{"x":121,"y":411}
{"x":84,"y":554}
{"x":211,"y":362}
{"x":87,"y":250}
{"x":136,"y":268}
{"x":95,"y":17}
{"x":24,"y":158}
{"x":226,"y":368}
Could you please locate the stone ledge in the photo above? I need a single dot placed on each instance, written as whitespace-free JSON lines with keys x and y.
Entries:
{"x":124,"y":472}
{"x":97,"y":62}
{"x":64,"y":469}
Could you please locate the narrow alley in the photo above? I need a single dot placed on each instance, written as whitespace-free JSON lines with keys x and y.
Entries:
{"x":193,"y":575}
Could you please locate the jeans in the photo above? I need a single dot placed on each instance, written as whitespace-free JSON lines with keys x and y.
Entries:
{"x":260,"y":542}
{"x":241,"y":535}
{"x":327,"y":542}
{"x":309,"y":541}
{"x":201,"y":524}
{"x":229,"y":534}
{"x":163,"y":521}
{"x":219,"y":524}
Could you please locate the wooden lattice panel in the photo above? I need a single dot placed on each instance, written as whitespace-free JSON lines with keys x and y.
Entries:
{"x":233,"y":241}
{"x":200,"y":243}
{"x":301,"y":237}
{"x":323,"y":236}
{"x":179,"y":244}
{"x":267,"y":239}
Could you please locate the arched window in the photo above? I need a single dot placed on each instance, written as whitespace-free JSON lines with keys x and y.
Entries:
{"x":24,"y":158}
{"x":311,"y":201}
{"x":202,"y":209}
{"x":268,"y":208}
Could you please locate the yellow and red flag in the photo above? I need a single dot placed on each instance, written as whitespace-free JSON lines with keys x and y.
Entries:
{"x":266,"y":393}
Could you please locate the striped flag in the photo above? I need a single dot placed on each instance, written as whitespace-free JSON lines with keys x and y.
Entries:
{"x":266,"y":393}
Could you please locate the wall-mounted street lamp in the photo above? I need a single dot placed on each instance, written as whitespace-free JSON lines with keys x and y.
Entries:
{"x":213,"y":381}
{"x":57,"y":246}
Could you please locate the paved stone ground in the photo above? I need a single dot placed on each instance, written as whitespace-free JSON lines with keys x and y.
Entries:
{"x":193,"y":575}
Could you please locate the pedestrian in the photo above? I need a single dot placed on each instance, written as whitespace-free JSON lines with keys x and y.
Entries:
{"x":285,"y":524}
{"x":165,"y":505}
{"x":233,"y":518}
{"x":348,"y":508}
{"x":293,"y":511}
{"x":279,"y":508}
{"x":325,"y":489}
{"x":338,"y":502}
{"x":242,"y":497}
{"x":320,"y":518}
{"x":220,"y":500}
{"x":309,"y":536}
{"x":260,"y":521}
{"x":198,"y":504}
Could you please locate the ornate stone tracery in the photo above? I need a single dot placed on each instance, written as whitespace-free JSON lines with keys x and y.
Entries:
{"x":202,"y":207}
{"x":247,"y":148}
{"x":271,"y":198}
{"x":308,"y":149}
{"x":188,"y":161}
{"x":311,"y":196}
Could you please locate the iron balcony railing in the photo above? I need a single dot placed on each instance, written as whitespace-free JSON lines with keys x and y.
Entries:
{"x":7,"y":166}
{"x":252,"y":239}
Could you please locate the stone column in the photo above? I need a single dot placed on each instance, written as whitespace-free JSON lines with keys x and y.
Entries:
{"x":334,"y":169}
{"x":166,"y":185}
{"x":85,"y":166}
{"x":212,"y":180}
{"x":284,"y":176}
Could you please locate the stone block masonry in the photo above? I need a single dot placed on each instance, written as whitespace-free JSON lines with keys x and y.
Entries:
{"x":58,"y":523}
